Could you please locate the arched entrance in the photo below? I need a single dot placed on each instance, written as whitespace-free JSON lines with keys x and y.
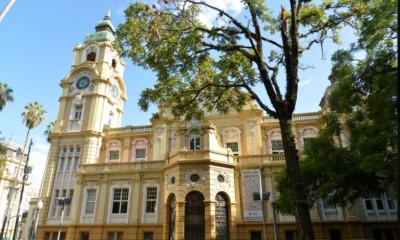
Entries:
{"x":171,"y":217}
{"x":194,"y":216}
{"x":221,"y":217}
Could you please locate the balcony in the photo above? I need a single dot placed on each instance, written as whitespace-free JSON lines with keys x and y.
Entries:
{"x":122,"y":167}
{"x":296,"y":117}
{"x":260,"y":160}
{"x":158,"y":165}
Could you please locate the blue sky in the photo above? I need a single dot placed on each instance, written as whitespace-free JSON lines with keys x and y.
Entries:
{"x":36,"y":52}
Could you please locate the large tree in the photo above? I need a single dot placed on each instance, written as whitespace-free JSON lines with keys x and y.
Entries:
{"x":204,"y":67}
{"x":363,"y":105}
{"x":5,"y":95}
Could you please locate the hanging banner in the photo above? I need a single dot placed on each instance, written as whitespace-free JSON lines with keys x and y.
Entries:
{"x":251,"y":180}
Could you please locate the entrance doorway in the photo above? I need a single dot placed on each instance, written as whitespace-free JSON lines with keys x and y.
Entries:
{"x":194,"y":216}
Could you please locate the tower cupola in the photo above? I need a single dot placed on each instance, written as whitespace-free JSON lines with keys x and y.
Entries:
{"x":104,"y":31}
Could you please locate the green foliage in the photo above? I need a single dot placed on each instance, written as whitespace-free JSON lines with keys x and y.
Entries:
{"x":5,"y":95}
{"x":202,"y":68}
{"x":363,"y":102}
{"x":33,"y":115}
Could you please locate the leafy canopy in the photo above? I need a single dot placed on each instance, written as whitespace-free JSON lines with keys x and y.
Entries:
{"x":201,"y":68}
{"x":363,"y":104}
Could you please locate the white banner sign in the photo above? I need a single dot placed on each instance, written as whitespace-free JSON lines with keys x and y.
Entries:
{"x":251,"y":180}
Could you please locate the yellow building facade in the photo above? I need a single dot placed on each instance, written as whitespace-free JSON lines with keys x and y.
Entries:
{"x":173,"y":179}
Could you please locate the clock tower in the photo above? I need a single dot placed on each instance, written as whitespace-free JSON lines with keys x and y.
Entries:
{"x":93,"y":91}
{"x":92,"y":99}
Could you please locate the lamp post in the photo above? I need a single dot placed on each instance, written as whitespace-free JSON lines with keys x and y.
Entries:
{"x":39,"y":206}
{"x":27,"y":170}
{"x":62,"y":202}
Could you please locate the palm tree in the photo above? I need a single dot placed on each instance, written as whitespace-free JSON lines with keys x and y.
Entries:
{"x":49,"y":130}
{"x":5,"y":95}
{"x":32,"y":116}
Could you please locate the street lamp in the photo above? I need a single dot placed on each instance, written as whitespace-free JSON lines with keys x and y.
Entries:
{"x":39,"y":206}
{"x":62,"y":202}
{"x":267,"y":196}
{"x":27,"y":170}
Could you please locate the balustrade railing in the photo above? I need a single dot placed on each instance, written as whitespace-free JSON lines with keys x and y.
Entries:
{"x":125,"y":166}
{"x":296,"y":117}
{"x":260,"y":159}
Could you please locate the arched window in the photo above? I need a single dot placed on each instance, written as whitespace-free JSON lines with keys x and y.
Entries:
{"x":276,"y":145}
{"x":232,"y":140}
{"x":114,"y":63}
{"x":91,"y":56}
{"x":307,"y":133}
{"x":90,"y":53}
{"x":194,"y":140}
{"x":139,"y":149}
{"x":221,"y":217}
{"x":114,"y":149}
{"x":194,"y":216}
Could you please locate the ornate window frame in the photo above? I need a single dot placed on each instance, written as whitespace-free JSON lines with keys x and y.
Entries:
{"x":89,"y":49}
{"x":140,"y":144}
{"x":113,"y":146}
{"x":274,"y":135}
{"x":307,"y":132}
{"x":151,"y":217}
{"x":232,"y":135}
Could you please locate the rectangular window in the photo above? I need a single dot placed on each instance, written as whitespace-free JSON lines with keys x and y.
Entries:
{"x":151,"y":200}
{"x":78,"y":149}
{"x":148,"y":236}
{"x":368,"y":204}
{"x":195,"y":143}
{"x":84,"y":235}
{"x":76,"y":163}
{"x":62,"y":162}
{"x":234,"y":146}
{"x":78,"y":112}
{"x":290,"y":235}
{"x":277,"y":146}
{"x":69,"y":163}
{"x":47,"y":236}
{"x":55,"y":203}
{"x":120,"y":200}
{"x":114,"y":155}
{"x":255,"y":235}
{"x":335,"y":234}
{"x":90,"y":201}
{"x":115,"y":236}
{"x":327,"y":204}
{"x":379,"y":204}
{"x":140,"y":153}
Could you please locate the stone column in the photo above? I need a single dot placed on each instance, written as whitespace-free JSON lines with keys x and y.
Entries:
{"x":180,"y":220}
{"x":209,"y":212}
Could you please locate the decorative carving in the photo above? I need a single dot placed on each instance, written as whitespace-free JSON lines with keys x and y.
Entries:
{"x":171,"y":181}
{"x":189,"y":177}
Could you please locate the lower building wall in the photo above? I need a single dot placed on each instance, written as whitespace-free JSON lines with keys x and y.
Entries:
{"x":286,"y":231}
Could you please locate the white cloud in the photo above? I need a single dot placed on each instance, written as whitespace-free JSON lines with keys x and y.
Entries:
{"x":305,"y":82}
{"x":209,"y":16}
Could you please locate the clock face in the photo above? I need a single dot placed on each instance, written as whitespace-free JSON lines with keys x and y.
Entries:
{"x":114,"y":91}
{"x":82,"y":83}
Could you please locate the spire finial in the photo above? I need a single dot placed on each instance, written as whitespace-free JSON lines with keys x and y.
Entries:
{"x":108,"y":16}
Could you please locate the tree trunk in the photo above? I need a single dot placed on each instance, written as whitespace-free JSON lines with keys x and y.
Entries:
{"x":293,"y":171}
